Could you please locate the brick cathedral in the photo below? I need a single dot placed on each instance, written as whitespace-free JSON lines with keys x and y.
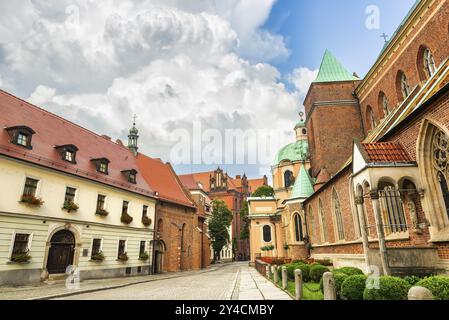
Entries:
{"x":367,"y":181}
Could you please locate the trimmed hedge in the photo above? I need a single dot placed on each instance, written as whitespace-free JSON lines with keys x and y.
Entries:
{"x":317,"y":271}
{"x":390,"y":288}
{"x":350,"y":271}
{"x":305,"y":268}
{"x":353,"y":287}
{"x":339,"y":279}
{"x":412,"y":280}
{"x":438,"y":285}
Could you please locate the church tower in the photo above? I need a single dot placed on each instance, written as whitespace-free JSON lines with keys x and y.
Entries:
{"x":133,"y":138}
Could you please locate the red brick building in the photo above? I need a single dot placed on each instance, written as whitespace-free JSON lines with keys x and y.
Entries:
{"x":386,"y":199}
{"x":233,"y":191}
{"x":181,"y":241}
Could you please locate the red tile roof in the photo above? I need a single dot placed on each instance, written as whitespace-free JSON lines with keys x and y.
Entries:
{"x":385,"y":152}
{"x":189,"y":182}
{"x":254,"y":184}
{"x":52,"y":131}
{"x":163,"y":180}
{"x":202,"y":177}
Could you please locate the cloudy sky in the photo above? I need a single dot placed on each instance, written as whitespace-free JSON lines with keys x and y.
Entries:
{"x":225,"y":64}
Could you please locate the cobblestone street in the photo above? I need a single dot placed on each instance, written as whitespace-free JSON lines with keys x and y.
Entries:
{"x":234,"y":281}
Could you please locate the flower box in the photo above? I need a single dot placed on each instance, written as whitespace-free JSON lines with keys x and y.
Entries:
{"x":144,"y":256}
{"x":99,"y":257}
{"x":21,"y":258}
{"x":126,"y":218}
{"x":146,"y":221}
{"x":102,"y":213}
{"x":31,"y":200}
{"x":123,"y":257}
{"x":70,"y":206}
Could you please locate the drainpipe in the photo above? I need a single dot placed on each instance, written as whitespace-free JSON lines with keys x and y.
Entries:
{"x":155,"y":238}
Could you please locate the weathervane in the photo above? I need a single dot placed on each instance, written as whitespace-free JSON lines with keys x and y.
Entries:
{"x":301,"y":115}
{"x":135,"y":117}
{"x":385,"y":36}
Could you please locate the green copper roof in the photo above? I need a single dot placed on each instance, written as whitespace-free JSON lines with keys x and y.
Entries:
{"x":300,"y":124}
{"x":298,"y":151}
{"x":303,"y":187}
{"x":331,"y":70}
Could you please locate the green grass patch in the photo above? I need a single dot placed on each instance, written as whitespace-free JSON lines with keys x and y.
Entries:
{"x":306,"y":293}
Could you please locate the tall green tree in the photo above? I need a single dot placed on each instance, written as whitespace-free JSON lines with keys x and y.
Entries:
{"x":219,"y":227}
{"x":263,"y":191}
{"x":244,"y":215}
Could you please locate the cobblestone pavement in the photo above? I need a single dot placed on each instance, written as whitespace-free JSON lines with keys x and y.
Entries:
{"x":236,"y":281}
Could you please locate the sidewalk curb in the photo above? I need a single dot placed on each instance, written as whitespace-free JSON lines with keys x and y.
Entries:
{"x":68,"y":294}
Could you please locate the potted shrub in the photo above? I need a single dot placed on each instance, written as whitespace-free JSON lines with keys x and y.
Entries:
{"x":102,"y":212}
{"x":146,"y":221}
{"x":126,"y":218}
{"x":98,"y":257}
{"x":123,"y":256}
{"x":31,"y":200}
{"x":144,"y":256}
{"x":70,"y":206}
{"x":21,"y":257}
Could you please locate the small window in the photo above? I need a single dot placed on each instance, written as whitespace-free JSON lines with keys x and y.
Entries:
{"x":370,"y":118}
{"x":67,"y":152}
{"x":70,"y":195}
{"x":21,"y":244}
{"x":267,"y":233}
{"x":101,"y":200}
{"x":30,"y":187}
{"x":131,"y":175}
{"x":21,"y":136}
{"x":429,"y":63}
{"x":299,"y":235}
{"x":403,"y":86}
{"x":102,"y":165}
{"x":96,"y":247}
{"x":121,"y":247}
{"x":125,"y":207}
{"x":145,"y":211}
{"x":288,"y":179}
{"x":142,"y":247}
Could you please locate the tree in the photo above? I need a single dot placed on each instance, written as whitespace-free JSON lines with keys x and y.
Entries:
{"x":219,"y":227}
{"x":244,"y":215}
{"x":263,"y":191}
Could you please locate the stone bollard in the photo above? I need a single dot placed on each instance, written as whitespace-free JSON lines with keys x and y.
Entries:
{"x":284,"y":278}
{"x":298,"y":284}
{"x":276,"y":274}
{"x":329,"y":286}
{"x":268,"y":271}
{"x":420,"y":293}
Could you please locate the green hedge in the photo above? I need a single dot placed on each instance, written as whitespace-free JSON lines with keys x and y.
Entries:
{"x":317,"y":271}
{"x":438,"y":285}
{"x":390,"y":288}
{"x":350,"y":271}
{"x":353,"y":287}
{"x":412,"y":280}
{"x":339,"y":279}
{"x":305,"y":268}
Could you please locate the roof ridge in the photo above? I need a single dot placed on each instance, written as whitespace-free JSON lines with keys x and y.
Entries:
{"x":31,"y":105}
{"x":331,"y":70}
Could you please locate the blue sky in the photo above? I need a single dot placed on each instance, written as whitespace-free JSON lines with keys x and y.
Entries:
{"x":310,"y":27}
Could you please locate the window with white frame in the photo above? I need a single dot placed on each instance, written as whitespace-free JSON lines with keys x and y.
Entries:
{"x":392,"y":209}
{"x":429,"y":63}
{"x":121,"y":248}
{"x":266,"y":233}
{"x":405,"y":88}
{"x":21,"y":245}
{"x":299,"y":234}
{"x":96,"y":247}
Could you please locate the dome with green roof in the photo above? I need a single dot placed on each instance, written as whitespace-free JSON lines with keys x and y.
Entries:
{"x":303,"y":187}
{"x":298,"y":151}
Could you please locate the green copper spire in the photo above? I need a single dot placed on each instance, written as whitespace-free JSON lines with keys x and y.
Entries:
{"x":331,"y":70}
{"x":303,"y":187}
{"x":133,"y":137}
{"x":298,"y":151}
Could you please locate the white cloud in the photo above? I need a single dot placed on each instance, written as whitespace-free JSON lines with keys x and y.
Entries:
{"x":170,"y":62}
{"x":302,"y":78}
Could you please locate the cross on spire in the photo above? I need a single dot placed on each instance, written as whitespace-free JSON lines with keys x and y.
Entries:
{"x":385,"y":37}
{"x":135,"y":117}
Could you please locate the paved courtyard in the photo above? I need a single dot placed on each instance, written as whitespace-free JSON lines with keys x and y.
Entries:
{"x":235,"y":281}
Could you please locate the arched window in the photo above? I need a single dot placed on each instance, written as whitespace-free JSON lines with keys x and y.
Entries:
{"x":322,"y":221}
{"x":384,"y":104}
{"x":299,"y":235}
{"x":266,"y":233}
{"x":370,"y":119}
{"x":392,"y":208}
{"x":441,"y":164}
{"x":404,"y":88}
{"x":312,"y":225}
{"x":338,"y":215}
{"x":288,"y":179}
{"x":429,"y":63}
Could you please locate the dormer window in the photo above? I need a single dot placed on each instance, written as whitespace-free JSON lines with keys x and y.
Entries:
{"x":131,"y":175}
{"x":21,"y":136}
{"x":67,"y":152}
{"x":102,"y":165}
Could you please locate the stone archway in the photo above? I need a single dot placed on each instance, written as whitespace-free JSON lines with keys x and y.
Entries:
{"x":61,"y":252}
{"x":159,"y":250}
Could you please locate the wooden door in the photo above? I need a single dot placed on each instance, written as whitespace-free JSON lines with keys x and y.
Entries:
{"x":61,"y":252}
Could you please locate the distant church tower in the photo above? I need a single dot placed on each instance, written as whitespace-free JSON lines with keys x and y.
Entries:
{"x":133,"y":137}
